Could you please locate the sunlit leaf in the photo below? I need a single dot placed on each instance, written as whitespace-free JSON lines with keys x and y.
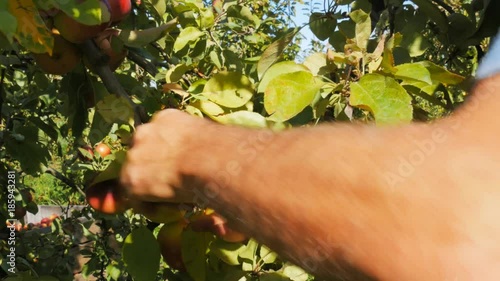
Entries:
{"x":227,"y":252}
{"x":382,"y":96}
{"x":441,"y":74}
{"x":288,"y":94}
{"x":413,"y":71}
{"x":140,"y":38}
{"x":31,"y":31}
{"x":115,"y":109}
{"x":229,"y":89}
{"x":363,"y":27}
{"x":187,"y":36}
{"x":243,"y":118}
{"x":278,"y":69}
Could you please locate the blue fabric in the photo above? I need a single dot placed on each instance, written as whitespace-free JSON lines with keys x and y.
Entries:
{"x":490,"y":64}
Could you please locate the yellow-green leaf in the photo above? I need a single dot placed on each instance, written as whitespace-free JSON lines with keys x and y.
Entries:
{"x":229,"y":89}
{"x":31,"y":31}
{"x":363,"y":27}
{"x":288,"y":94}
{"x":413,"y":71}
{"x":187,"y":36}
{"x":115,"y":109}
{"x":140,"y":38}
{"x":243,"y":118}
{"x":383,"y":97}
{"x":227,"y":252}
{"x":441,"y":75}
{"x":278,"y":69}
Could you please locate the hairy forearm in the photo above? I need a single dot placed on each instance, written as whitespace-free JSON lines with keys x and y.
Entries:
{"x":330,"y":195}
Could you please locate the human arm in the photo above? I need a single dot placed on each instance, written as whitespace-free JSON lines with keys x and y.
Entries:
{"x":339,"y":194}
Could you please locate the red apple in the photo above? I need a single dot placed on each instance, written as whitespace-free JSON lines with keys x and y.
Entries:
{"x":119,"y":9}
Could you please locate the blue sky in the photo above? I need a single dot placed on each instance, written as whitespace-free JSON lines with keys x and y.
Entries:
{"x":301,"y":18}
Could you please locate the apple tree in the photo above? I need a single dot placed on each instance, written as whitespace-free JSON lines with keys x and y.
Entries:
{"x":78,"y":77}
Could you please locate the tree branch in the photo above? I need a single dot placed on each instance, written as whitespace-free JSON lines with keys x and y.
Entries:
{"x":149,"y":67}
{"x":444,"y":6}
{"x":64,"y":179}
{"x":99,"y":62}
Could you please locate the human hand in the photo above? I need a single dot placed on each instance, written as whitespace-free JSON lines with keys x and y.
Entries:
{"x":154,"y":167}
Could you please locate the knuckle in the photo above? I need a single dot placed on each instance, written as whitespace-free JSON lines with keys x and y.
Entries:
{"x":166,"y":114}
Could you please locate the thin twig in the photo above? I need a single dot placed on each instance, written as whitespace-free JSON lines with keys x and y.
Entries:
{"x":64,"y":179}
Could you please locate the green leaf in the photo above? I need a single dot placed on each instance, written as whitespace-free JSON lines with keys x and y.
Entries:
{"x":49,"y":129}
{"x":194,"y":247}
{"x":288,"y":94}
{"x":318,"y":64}
{"x":8,"y":23}
{"x":31,"y":31}
{"x":115,"y":109}
{"x":428,"y":97}
{"x":141,"y":38}
{"x":273,"y":52}
{"x":322,"y":25}
{"x":211,"y":109}
{"x":227,"y":252}
{"x":207,"y":18}
{"x":337,"y":40}
{"x":267,"y":255}
{"x":278,"y":69}
{"x":489,"y":23}
{"x":363,"y":27}
{"x":460,"y":28}
{"x":249,"y":255}
{"x":88,"y":12}
{"x":348,"y":29}
{"x":294,"y":272}
{"x":244,"y":13}
{"x":174,"y":74}
{"x":412,"y":23}
{"x":28,"y":150}
{"x":441,"y":74}
{"x":434,"y":13}
{"x":141,"y":254}
{"x":243,"y":118}
{"x":99,"y":129}
{"x":383,"y":97}
{"x":73,"y":84}
{"x":413,"y":71}
{"x":229,"y":89}
{"x":187,"y":36}
{"x":159,"y":6}
{"x":273,"y":276}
